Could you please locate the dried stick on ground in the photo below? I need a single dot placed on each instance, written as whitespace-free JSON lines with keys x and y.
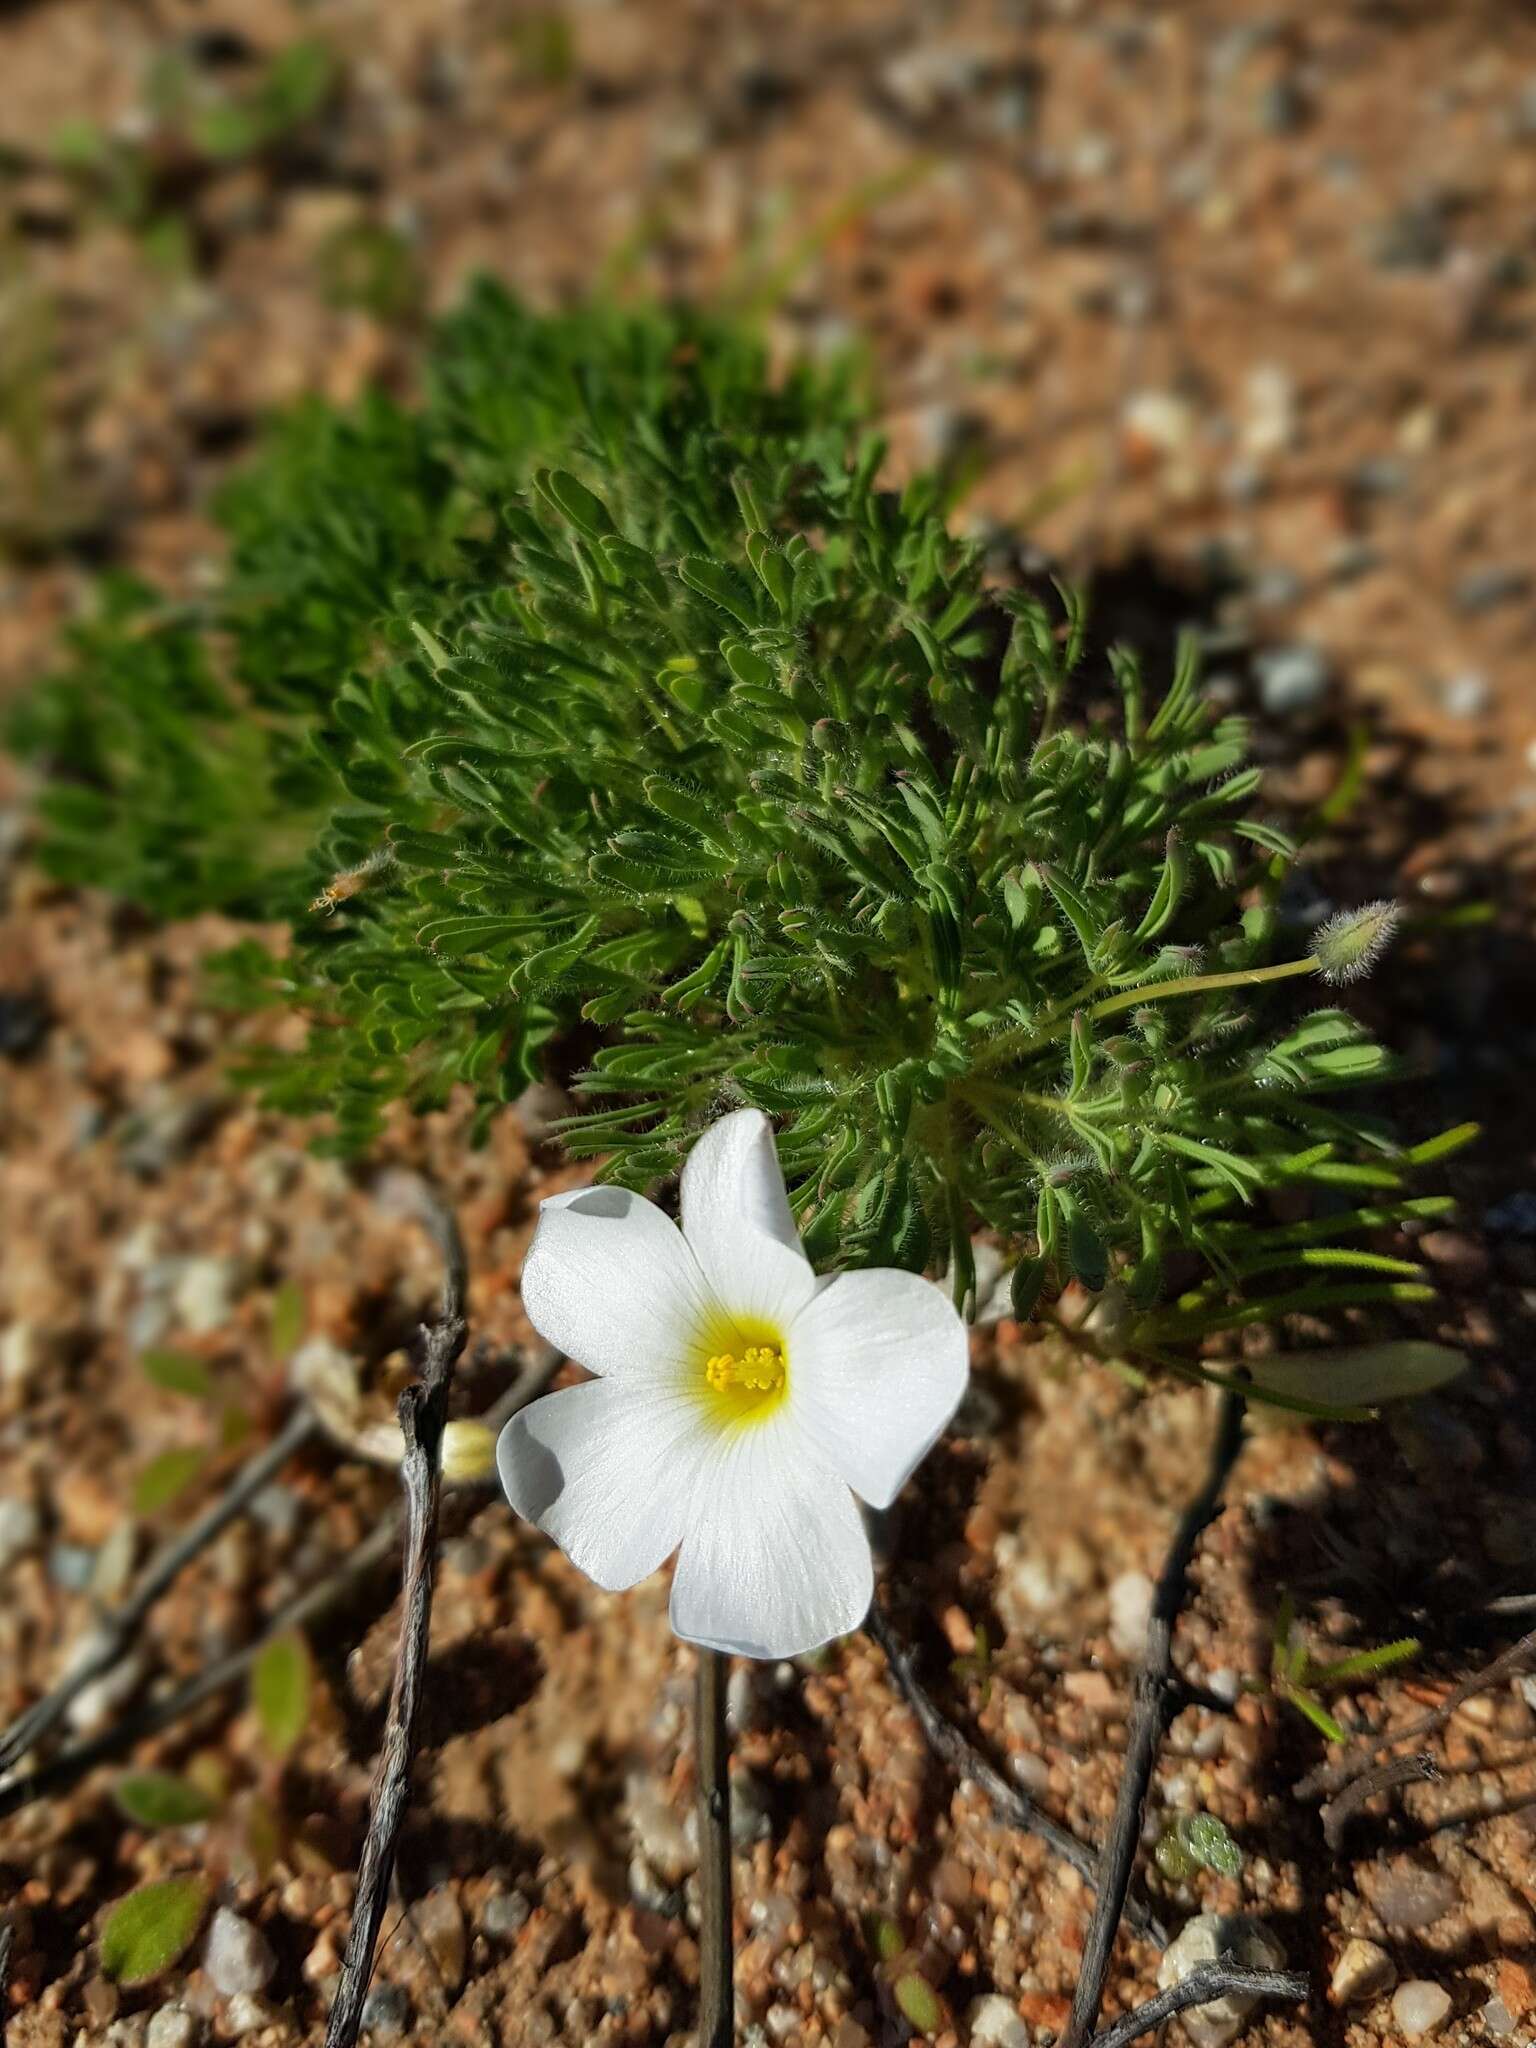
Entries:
{"x":1208,"y":1981}
{"x":7,"y":1936}
{"x":1156,"y":1694}
{"x":59,"y":1772}
{"x":423,"y":1416}
{"x":1333,"y":1777}
{"x":1009,"y":1803}
{"x":717,"y":1997}
{"x":1401,"y":1770}
{"x":113,"y":1633}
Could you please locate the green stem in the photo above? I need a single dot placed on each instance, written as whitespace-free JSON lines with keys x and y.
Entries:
{"x":1154,"y":992}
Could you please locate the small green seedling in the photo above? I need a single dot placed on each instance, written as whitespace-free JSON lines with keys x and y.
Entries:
{"x":1297,"y":1677}
{"x":1196,"y":1841}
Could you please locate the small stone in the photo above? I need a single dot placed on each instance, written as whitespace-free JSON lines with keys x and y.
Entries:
{"x":994,"y":2022}
{"x":99,"y":1702}
{"x":386,"y":2011}
{"x":247,"y":2013}
{"x":658,"y":1829}
{"x":1419,"y":2007}
{"x":1269,"y":411}
{"x":1455,"y":1253}
{"x":172,"y":2027}
{"x":21,"y":1529}
{"x":1467,"y":695}
{"x":1498,"y":2018}
{"x":1292,"y":679}
{"x":1407,"y":1898}
{"x":1364,"y":1970}
{"x":1207,"y":1939}
{"x":434,"y":1924}
{"x":20,"y":1354}
{"x":204,"y":1295}
{"x":237,"y":1955}
{"x":1130,"y":1611}
{"x":505,"y":1915}
{"x":71,"y":1566}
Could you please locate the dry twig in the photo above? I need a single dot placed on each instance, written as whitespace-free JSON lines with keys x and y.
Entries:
{"x":68,"y":1766}
{"x":7,"y":1936}
{"x":1208,"y":1981}
{"x":1333,"y":1777}
{"x":1009,"y":1803}
{"x":1156,"y":1695}
{"x":1402,"y":1770}
{"x":423,"y":1416}
{"x":717,"y":1999}
{"x":112,"y":1635}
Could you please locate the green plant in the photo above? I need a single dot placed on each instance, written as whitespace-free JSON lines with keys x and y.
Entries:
{"x":1298,"y":1678}
{"x":622,"y":710}
{"x":1196,"y":1841}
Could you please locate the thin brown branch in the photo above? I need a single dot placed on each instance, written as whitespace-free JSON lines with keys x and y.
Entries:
{"x":1208,"y":1981}
{"x":66,"y":1768}
{"x":1152,"y":1708}
{"x":1401,"y":1770}
{"x":7,"y":1937}
{"x":1333,"y":1777}
{"x":59,"y":1772}
{"x":112,"y":1635}
{"x":717,"y":1998}
{"x":423,"y":1416}
{"x":1009,"y":1803}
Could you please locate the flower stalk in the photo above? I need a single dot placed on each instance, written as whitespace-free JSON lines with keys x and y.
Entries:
{"x":717,"y":1947}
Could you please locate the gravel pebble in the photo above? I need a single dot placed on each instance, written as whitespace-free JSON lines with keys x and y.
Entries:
{"x":1292,"y":679}
{"x":386,"y":2010}
{"x":1364,"y":1970}
{"x":237,"y":1956}
{"x":1419,"y":2007}
{"x":1407,"y":1899}
{"x":20,"y":1528}
{"x":993,"y":2022}
{"x":1130,"y":1610}
{"x":1240,"y":1938}
{"x":172,"y":2027}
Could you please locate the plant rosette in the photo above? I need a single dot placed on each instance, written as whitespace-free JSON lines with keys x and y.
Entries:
{"x":740,"y":1402}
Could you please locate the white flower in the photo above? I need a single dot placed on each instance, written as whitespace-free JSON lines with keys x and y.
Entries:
{"x":740,"y":1402}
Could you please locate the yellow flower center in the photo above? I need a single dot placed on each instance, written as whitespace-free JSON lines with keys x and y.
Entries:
{"x":759,"y":1370}
{"x":743,"y":1368}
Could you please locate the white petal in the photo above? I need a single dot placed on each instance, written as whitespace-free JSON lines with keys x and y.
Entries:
{"x":736,"y":1218}
{"x":877,"y":1365}
{"x":610,"y":1282}
{"x":606,"y":1471}
{"x":775,"y":1560}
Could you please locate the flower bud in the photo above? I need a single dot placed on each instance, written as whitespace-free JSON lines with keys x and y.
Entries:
{"x":469,"y":1453}
{"x":1348,"y":946}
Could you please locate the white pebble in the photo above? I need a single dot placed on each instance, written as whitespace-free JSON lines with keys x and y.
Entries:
{"x":1419,"y":2007}
{"x":238,"y":1956}
{"x":1364,"y":1970}
{"x":171,"y":2027}
{"x":1238,"y":1938}
{"x":21,"y":1528}
{"x":994,"y":2023}
{"x":204,"y":1295}
{"x":1130,"y":1611}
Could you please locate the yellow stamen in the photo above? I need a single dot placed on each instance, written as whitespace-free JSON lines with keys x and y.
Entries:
{"x":758,"y":1370}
